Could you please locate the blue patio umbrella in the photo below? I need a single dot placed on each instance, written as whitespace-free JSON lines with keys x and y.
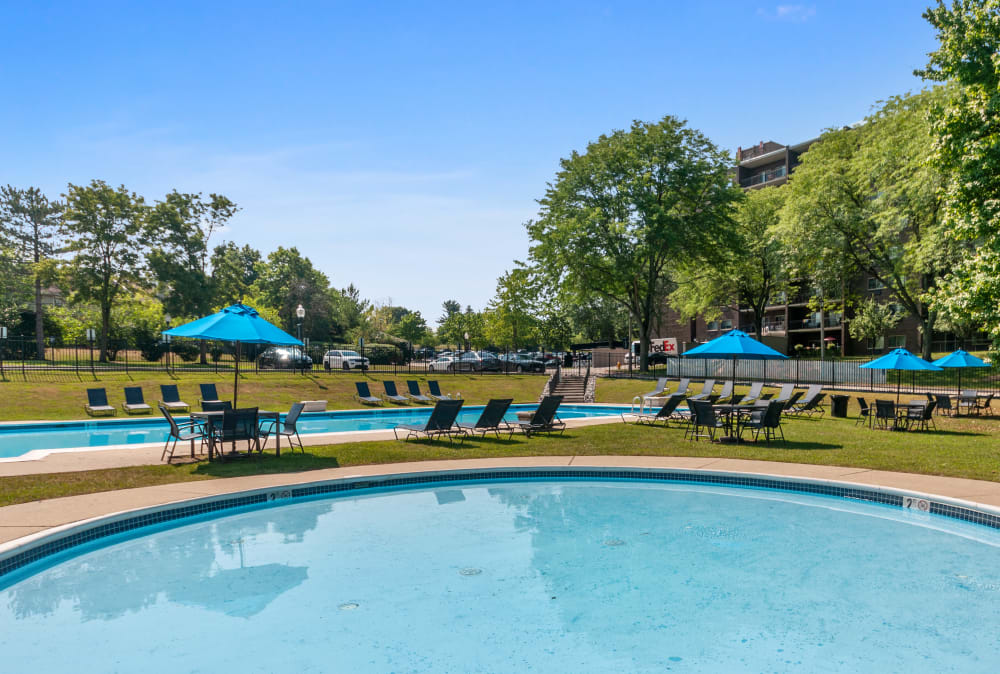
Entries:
{"x":735,"y":345}
{"x":960,"y":359}
{"x":240,"y":324}
{"x":899,"y":360}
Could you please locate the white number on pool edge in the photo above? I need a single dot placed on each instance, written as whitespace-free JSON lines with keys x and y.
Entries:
{"x":921,"y":504}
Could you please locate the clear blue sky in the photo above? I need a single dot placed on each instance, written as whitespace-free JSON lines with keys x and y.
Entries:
{"x":402,"y":145}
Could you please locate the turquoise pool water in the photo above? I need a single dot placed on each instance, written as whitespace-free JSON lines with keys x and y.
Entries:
{"x":19,"y":439}
{"x":545,"y":576}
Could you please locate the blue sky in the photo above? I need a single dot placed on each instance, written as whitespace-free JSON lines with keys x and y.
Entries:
{"x":401,"y":145}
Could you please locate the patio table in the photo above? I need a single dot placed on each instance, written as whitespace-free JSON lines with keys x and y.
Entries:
{"x":731,"y":413}
{"x":211,"y":418}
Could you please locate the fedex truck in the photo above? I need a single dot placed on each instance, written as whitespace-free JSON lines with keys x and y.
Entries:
{"x":660,"y":348}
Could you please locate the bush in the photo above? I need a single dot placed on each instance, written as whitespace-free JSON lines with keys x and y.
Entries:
{"x":186,"y":351}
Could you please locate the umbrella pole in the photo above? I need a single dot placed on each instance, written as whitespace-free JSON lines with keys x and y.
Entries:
{"x":236,"y":377}
{"x":899,"y":375}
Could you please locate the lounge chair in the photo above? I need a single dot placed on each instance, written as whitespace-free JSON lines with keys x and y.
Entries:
{"x":544,"y":420}
{"x":441,"y":422}
{"x":491,"y":420}
{"x":186,"y":432}
{"x":287,"y":428}
{"x":208,"y":394}
{"x":706,"y":390}
{"x":785,"y":394}
{"x":661,"y":384}
{"x":216,"y":405}
{"x":97,"y":403}
{"x":435,"y":392}
{"x":682,"y":387}
{"x":810,"y":402}
{"x":704,"y":421}
{"x":413,"y":386}
{"x":791,"y":401}
{"x":665,"y":413}
{"x":727,"y":391}
{"x":364,"y":395}
{"x":392,"y":394}
{"x":170,"y":399}
{"x":134,"y":403}
{"x":754,"y":393}
{"x":314,"y":406}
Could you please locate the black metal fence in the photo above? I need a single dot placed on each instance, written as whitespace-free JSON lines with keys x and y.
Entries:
{"x":841,"y":373}
{"x":20,"y":360}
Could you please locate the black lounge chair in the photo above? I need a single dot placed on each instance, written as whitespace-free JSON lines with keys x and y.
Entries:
{"x":435,"y":392}
{"x":287,"y":429}
{"x":544,"y":420}
{"x":790,"y":403}
{"x":491,"y":420}
{"x":810,"y":403}
{"x":706,"y":390}
{"x":413,"y":386}
{"x":364,"y":395}
{"x":134,"y":402}
{"x":392,"y":394}
{"x":186,"y":432}
{"x":97,"y":403}
{"x":704,"y":421}
{"x":667,"y":412}
{"x":171,"y":399}
{"x":208,"y":394}
{"x":441,"y":422}
{"x":216,"y":405}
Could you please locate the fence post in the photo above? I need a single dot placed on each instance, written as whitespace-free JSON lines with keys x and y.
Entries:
{"x":76,"y":359}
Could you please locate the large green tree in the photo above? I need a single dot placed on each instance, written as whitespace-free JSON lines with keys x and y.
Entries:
{"x":31,"y":223}
{"x":104,"y":227}
{"x":509,"y":320}
{"x":234,"y":271}
{"x":288,"y":279}
{"x":620,"y":216}
{"x":755,"y":270}
{"x":868,"y":199}
{"x":967,"y":147}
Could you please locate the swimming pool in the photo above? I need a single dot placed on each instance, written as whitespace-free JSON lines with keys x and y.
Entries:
{"x":546,"y":575}
{"x":18,"y":439}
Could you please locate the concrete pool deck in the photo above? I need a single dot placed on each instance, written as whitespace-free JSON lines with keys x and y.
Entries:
{"x":28,"y":521}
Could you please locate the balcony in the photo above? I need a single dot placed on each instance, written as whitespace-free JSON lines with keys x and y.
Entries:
{"x":764,"y":177}
{"x":812,"y":323}
{"x":774,"y":327}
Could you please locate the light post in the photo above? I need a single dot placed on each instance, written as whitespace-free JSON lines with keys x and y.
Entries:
{"x":3,"y":337}
{"x":466,"y":341}
{"x":167,"y":319}
{"x":300,"y":312}
{"x":91,"y":336}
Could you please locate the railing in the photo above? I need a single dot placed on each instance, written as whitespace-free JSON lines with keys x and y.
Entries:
{"x":814,"y":323}
{"x":764,"y":177}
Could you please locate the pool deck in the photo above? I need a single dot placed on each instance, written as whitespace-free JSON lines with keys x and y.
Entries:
{"x":30,"y":520}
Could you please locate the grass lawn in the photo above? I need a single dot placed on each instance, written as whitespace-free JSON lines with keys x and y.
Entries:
{"x":962,"y":447}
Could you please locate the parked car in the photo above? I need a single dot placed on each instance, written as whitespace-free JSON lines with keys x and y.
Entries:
{"x":284,"y":356}
{"x":479,"y":361}
{"x":517,"y":362}
{"x":344,"y":360}
{"x":444,"y":364}
{"x":424,"y":353}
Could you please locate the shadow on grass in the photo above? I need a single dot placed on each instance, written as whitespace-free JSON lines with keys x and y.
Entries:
{"x":265,"y":464}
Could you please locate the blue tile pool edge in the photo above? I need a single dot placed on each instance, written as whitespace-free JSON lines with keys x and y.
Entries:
{"x":66,"y":541}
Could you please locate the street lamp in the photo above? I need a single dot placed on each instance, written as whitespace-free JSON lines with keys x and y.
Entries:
{"x":301,"y":313}
{"x":466,"y":341}
{"x":167,"y":320}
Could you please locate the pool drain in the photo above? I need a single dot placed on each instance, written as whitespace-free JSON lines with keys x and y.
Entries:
{"x":349,"y":606}
{"x":470,"y":571}
{"x":614,"y":542}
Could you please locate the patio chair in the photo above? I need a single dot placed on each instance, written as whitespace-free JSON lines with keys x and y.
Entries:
{"x":97,"y":403}
{"x":171,"y":399}
{"x":414,"y":388}
{"x":216,"y":405}
{"x":364,"y":395}
{"x":544,"y":420}
{"x":134,"y":402}
{"x":766,"y":419}
{"x":810,"y":404}
{"x":754,"y":393}
{"x":785,"y":394}
{"x":944,"y":405}
{"x":238,"y":425}
{"x":435,"y":392}
{"x":208,"y":394}
{"x":914,"y":414}
{"x":865,"y":415}
{"x":984,"y":405}
{"x":727,"y":391}
{"x":682,"y":387}
{"x":287,"y":428}
{"x":885,"y":415}
{"x":926,"y":421}
{"x":667,"y":412}
{"x":185,"y":432}
{"x":491,"y":420}
{"x":704,"y":421}
{"x":706,"y":390}
{"x":967,"y":401}
{"x":392,"y":394}
{"x":441,"y":422}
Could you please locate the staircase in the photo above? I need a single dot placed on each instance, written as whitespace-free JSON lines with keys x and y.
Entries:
{"x":572,"y":387}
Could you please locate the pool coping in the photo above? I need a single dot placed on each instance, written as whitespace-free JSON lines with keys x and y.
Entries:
{"x":34,"y":531}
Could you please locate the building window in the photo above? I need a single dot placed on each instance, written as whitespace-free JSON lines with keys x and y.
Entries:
{"x":713,"y":326}
{"x":875,"y":284}
{"x":879,"y":344}
{"x":897,"y":341}
{"x":726,"y":325}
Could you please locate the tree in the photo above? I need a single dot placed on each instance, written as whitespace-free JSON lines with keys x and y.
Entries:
{"x":32,"y":223}
{"x":619,"y":216}
{"x":508,"y":320}
{"x":288,"y":279}
{"x":14,"y":284}
{"x":104,"y":227}
{"x":755,"y":269}
{"x":412,"y":327}
{"x":450,"y":307}
{"x":234,"y":270}
{"x":967,"y":147}
{"x":868,"y":198}
{"x":872,"y":320}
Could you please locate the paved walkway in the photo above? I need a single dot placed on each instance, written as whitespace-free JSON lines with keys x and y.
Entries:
{"x":28,"y":519}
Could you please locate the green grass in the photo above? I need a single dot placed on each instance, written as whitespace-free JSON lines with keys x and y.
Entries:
{"x":962,"y":447}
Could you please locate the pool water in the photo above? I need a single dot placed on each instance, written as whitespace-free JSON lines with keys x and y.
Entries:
{"x":19,"y":439}
{"x":545,"y":576}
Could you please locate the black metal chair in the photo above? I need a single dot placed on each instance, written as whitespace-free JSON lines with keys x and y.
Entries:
{"x":944,"y":405}
{"x":491,"y":420}
{"x":704,"y":421}
{"x":544,"y":420}
{"x":238,"y":425}
{"x":927,"y":420}
{"x":185,"y":432}
{"x":216,"y":405}
{"x":134,"y":402}
{"x":885,"y":415}
{"x":766,"y":420}
{"x":441,"y":422}
{"x":208,"y":394}
{"x":865,"y":415}
{"x":287,"y":429}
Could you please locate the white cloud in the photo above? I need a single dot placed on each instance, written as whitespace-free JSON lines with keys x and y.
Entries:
{"x":789,"y":13}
